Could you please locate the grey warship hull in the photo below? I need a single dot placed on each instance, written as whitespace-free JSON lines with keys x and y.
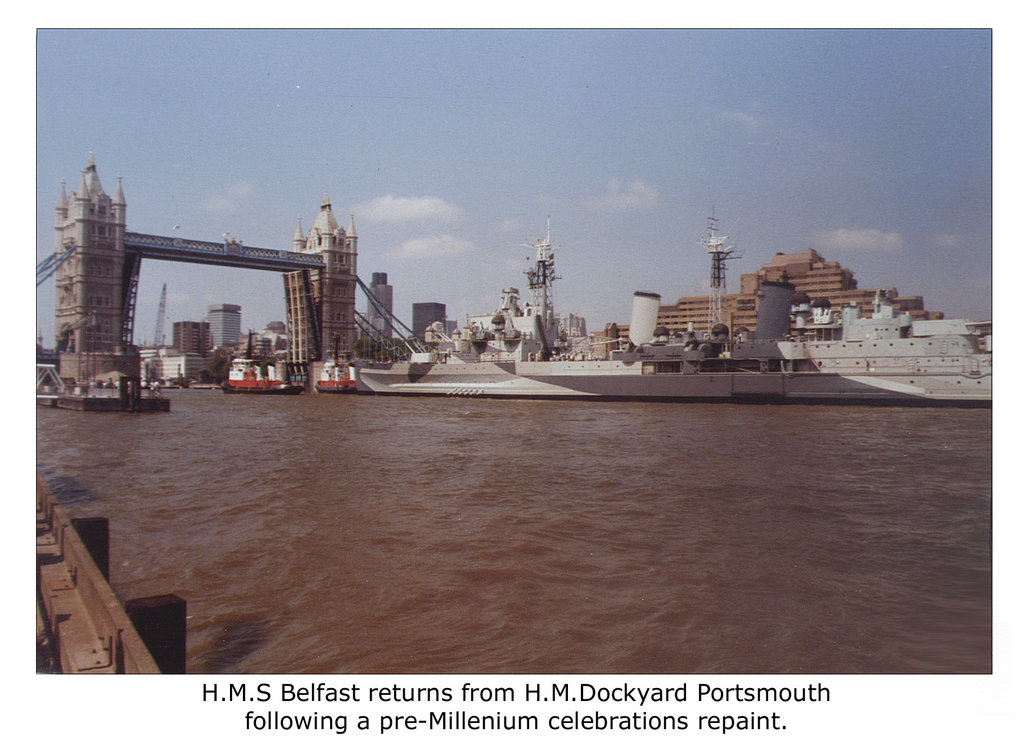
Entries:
{"x":628,"y":381}
{"x":802,"y":351}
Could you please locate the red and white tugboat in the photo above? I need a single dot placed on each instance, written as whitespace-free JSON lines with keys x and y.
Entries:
{"x":336,"y":377}
{"x":248,"y":376}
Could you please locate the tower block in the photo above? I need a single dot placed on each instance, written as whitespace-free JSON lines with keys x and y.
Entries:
{"x":321,"y":302}
{"x":90,"y":311}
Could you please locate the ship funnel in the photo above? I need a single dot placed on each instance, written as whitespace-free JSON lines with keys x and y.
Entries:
{"x":645,"y":317}
{"x":775,"y":299}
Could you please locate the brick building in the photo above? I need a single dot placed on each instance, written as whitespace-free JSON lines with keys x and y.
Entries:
{"x":192,"y":337}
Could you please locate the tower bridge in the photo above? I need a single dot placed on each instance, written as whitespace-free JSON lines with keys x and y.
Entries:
{"x":97,"y":263}
{"x":228,"y":253}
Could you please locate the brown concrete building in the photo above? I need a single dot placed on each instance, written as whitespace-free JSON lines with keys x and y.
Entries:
{"x":809,"y":272}
{"x":192,"y":337}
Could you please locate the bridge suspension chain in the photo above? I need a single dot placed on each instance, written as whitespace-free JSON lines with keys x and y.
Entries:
{"x":404,"y":333}
{"x":48,"y":266}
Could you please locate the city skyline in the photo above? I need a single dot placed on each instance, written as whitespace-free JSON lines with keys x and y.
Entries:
{"x":144,"y":338}
{"x":452,"y":149}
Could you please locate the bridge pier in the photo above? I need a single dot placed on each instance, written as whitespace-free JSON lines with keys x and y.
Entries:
{"x":89,"y":366}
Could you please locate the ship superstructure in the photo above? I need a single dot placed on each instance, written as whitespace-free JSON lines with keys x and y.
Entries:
{"x":836,"y":356}
{"x":720,"y":252}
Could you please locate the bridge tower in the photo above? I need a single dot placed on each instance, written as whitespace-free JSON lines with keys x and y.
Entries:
{"x":90,"y":312}
{"x":321,"y":302}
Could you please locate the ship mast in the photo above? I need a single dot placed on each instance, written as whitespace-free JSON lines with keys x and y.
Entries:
{"x":541,"y":277}
{"x":719,"y":252}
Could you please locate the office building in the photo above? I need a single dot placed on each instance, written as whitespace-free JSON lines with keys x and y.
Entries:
{"x":192,"y":337}
{"x":225,"y":324}
{"x":424,"y":314}
{"x":808,"y":272}
{"x":384,"y":293}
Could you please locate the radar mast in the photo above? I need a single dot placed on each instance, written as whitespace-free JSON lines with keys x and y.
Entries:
{"x":720,"y":253}
{"x":541,"y":278}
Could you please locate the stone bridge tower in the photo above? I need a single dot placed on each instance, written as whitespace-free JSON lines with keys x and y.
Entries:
{"x":91,"y":314}
{"x":321,"y":303}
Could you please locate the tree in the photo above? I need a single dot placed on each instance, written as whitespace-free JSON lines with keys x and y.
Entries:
{"x":219,"y":365}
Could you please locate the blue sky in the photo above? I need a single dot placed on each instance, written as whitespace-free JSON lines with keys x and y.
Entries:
{"x":453,"y":148}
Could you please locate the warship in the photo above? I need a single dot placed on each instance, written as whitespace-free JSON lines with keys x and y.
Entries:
{"x":801,"y":351}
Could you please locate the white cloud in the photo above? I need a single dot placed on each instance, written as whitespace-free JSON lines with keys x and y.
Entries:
{"x":753,"y":120}
{"x":619,"y":196}
{"x":751,"y":123}
{"x":434,"y":247}
{"x":228,"y":199}
{"x":871,"y":240}
{"x":389,"y":208}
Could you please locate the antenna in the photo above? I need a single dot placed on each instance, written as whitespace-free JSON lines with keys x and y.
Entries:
{"x":158,"y":337}
{"x":541,"y":279}
{"x":542,"y":274}
{"x":720,"y":252}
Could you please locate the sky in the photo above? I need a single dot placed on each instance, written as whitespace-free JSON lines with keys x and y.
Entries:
{"x":454,"y":149}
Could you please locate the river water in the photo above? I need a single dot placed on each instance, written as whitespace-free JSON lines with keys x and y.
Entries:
{"x":332,"y":534}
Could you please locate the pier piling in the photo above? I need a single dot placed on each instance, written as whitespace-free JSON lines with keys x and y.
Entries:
{"x":160,"y":621}
{"x":81,"y":622}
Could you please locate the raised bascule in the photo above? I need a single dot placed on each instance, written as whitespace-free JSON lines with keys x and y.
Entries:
{"x":97,"y":263}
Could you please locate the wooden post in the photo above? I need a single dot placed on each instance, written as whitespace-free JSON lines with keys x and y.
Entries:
{"x":95,"y":535}
{"x":160,"y":621}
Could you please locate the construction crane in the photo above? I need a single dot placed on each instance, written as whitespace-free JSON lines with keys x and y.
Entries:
{"x":158,"y":337}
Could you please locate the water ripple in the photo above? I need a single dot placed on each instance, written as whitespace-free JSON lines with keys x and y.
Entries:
{"x":449,"y":535}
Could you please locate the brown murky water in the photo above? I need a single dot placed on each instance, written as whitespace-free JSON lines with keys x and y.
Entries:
{"x":386,"y":535}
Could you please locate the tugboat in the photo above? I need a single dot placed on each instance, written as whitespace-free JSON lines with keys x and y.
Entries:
{"x":336,"y":377}
{"x":248,"y":376}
